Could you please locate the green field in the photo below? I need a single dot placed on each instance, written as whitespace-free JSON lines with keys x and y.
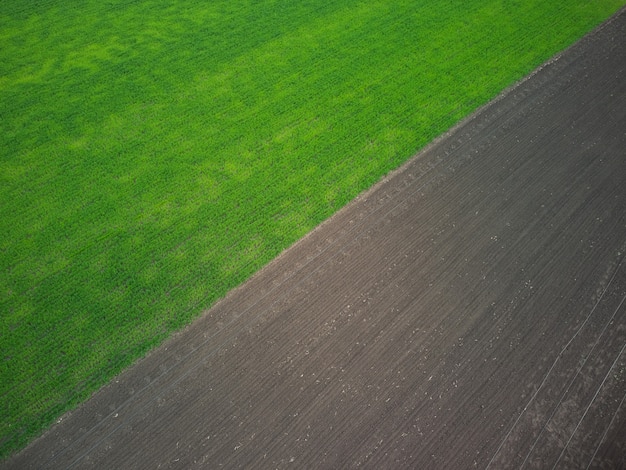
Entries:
{"x":155,"y":154}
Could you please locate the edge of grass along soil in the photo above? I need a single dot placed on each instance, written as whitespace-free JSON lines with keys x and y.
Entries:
{"x":156,"y":155}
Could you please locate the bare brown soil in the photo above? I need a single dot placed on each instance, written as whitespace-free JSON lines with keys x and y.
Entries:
{"x":468,"y":311}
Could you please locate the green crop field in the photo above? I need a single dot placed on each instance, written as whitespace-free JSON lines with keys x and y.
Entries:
{"x":155,"y":154}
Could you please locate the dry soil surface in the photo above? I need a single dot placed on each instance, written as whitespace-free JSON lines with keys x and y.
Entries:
{"x":468,"y":311}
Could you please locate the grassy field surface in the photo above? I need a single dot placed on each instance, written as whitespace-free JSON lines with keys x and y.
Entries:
{"x":153,"y":154}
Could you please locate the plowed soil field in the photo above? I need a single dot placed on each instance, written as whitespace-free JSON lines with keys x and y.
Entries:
{"x":467,"y":311}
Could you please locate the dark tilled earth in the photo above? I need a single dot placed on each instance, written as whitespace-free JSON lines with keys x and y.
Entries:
{"x":468,"y":311}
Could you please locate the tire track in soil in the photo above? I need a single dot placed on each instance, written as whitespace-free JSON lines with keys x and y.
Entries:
{"x":456,"y":315}
{"x":575,"y":375}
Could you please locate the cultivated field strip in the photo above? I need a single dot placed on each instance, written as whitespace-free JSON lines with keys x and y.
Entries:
{"x":154,"y":155}
{"x":467,"y":311}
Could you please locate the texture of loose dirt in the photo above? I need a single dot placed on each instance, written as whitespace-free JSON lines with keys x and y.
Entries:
{"x":468,"y":311}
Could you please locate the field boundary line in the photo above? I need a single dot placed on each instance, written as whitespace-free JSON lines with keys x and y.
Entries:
{"x":338,"y":245}
{"x":406,"y":191}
